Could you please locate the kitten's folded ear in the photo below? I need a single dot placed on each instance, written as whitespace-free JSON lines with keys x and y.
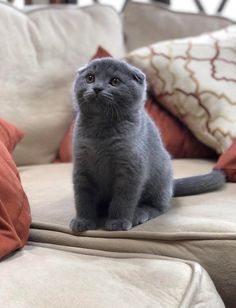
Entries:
{"x":81,"y":69}
{"x":139,"y":76}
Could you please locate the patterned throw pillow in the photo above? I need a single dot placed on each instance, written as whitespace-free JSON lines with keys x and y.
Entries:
{"x":195,"y":79}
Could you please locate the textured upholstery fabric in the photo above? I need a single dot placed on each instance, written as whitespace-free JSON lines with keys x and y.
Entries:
{"x":200,"y":228}
{"x":71,"y":278}
{"x":39,"y":54}
{"x":145,"y":24}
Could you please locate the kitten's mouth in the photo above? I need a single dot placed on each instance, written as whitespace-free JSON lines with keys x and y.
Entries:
{"x":103,"y":99}
{"x":100,"y":98}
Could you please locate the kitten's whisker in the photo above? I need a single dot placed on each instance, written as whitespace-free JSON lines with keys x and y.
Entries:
{"x":108,"y":97}
{"x":117,"y":114}
{"x":106,"y":94}
{"x":88,"y":94}
{"x":107,"y":110}
{"x":112,"y":110}
{"x":109,"y":101}
{"x":118,"y":111}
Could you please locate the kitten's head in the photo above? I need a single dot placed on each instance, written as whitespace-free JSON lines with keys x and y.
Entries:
{"x":110,"y":88}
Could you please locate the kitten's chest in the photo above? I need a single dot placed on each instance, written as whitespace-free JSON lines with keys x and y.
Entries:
{"x":102,"y":160}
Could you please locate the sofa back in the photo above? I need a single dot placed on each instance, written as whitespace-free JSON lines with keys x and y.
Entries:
{"x":145,"y":24}
{"x":40,"y":52}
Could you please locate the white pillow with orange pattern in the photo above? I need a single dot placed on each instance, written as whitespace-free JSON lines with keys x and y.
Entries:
{"x":195,"y":79}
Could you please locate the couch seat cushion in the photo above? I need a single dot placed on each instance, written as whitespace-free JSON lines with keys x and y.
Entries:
{"x":79,"y":278}
{"x":200,"y":228}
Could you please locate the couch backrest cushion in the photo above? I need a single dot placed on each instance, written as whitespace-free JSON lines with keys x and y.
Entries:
{"x":39,"y":54}
{"x":145,"y":24}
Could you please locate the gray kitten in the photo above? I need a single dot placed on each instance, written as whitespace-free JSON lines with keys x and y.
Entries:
{"x":121,"y":168}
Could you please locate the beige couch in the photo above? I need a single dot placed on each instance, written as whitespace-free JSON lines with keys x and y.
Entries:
{"x":184,"y":258}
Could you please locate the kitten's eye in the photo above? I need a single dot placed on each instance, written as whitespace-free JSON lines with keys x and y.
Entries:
{"x":115,"y":81}
{"x":90,"y":78}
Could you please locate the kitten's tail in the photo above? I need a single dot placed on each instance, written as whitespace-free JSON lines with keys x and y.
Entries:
{"x":199,"y":184}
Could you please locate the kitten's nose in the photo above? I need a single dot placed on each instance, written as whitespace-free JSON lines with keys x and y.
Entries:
{"x":97,"y":90}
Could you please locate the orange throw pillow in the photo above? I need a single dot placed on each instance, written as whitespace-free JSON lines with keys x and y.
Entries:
{"x":227,"y":163}
{"x":101,"y":53}
{"x":65,"y":151}
{"x":15,"y":216}
{"x":9,"y":135}
{"x":177,"y":138}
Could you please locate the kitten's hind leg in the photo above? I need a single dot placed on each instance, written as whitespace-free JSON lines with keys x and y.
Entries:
{"x":144,"y":213}
{"x":155,"y":201}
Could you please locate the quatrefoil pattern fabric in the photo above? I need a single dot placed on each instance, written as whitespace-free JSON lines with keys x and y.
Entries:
{"x":195,"y":79}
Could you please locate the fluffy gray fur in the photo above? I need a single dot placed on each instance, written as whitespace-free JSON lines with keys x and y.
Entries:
{"x":121,"y":168}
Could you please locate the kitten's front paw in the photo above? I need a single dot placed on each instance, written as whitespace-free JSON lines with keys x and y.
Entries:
{"x":118,"y":225}
{"x":81,"y":224}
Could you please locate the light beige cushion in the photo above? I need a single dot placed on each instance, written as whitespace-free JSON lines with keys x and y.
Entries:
{"x":39,"y":55}
{"x":146,"y":23}
{"x":43,"y":277}
{"x":195,"y":79}
{"x":201,"y":228}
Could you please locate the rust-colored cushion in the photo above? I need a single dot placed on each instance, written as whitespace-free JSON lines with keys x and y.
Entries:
{"x":101,"y":53}
{"x":178,"y":139}
{"x":65,"y":151}
{"x":227,"y":163}
{"x":9,"y":135}
{"x":15,"y":216}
